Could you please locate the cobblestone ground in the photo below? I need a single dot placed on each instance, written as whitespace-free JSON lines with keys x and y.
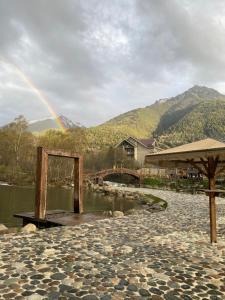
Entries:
{"x":164,"y":255}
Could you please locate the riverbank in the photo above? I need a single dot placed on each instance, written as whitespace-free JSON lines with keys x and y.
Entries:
{"x":163,"y":255}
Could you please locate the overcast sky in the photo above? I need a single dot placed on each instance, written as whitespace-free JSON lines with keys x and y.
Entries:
{"x":95,"y":59}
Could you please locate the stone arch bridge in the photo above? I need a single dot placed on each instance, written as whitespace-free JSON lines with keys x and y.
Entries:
{"x":99,"y":176}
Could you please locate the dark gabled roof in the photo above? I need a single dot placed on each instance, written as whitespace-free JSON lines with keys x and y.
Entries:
{"x":147,"y":142}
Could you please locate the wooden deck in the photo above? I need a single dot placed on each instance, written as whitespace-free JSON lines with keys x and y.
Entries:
{"x":59,"y":218}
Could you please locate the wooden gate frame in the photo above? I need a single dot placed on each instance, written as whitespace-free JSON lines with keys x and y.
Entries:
{"x":42,"y":175}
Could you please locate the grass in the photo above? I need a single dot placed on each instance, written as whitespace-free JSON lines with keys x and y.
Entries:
{"x":175,"y":184}
{"x":149,"y":198}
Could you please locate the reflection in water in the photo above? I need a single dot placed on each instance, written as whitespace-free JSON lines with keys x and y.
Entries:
{"x":21,"y":199}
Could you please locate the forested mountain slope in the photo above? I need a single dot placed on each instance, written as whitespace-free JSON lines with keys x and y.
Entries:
{"x":197,"y":113}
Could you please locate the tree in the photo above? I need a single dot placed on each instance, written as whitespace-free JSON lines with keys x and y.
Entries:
{"x":16,"y":148}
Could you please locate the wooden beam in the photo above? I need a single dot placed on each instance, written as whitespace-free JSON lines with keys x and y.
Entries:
{"x":61,"y":153}
{"x":78,"y":185}
{"x":220,"y":170}
{"x":205,"y":165}
{"x":210,"y":167}
{"x":212,"y":164}
{"x":194,"y":164}
{"x":41,"y":183}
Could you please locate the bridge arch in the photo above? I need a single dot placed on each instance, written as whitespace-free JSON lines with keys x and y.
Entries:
{"x":101,"y":175}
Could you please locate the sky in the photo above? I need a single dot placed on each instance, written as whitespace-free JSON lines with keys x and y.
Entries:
{"x":91,"y":60}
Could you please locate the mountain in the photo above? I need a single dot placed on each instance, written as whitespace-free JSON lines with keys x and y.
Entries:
{"x":205,"y":120}
{"x":194,"y":114}
{"x":51,"y":123}
{"x":197,"y":113}
{"x":185,"y":103}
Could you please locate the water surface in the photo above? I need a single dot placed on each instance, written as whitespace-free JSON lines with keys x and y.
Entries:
{"x":21,"y":199}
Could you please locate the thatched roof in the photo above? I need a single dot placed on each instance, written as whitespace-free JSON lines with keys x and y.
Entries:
{"x":180,"y":156}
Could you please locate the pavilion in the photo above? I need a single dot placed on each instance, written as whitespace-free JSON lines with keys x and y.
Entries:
{"x":207,"y":156}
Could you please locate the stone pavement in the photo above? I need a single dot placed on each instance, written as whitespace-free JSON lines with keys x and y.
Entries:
{"x":163,"y":255}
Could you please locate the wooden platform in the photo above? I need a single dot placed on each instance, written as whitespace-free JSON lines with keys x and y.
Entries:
{"x":59,"y":218}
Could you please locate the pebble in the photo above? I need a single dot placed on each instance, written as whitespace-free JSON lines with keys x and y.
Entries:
{"x":118,"y":214}
{"x":163,"y":255}
{"x":34,"y":297}
{"x":3,"y":227}
{"x":29,"y":228}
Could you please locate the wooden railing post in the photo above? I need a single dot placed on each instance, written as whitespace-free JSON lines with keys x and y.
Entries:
{"x":212,"y":211}
{"x":212,"y":201}
{"x":78,"y":183}
{"x":41,"y":183}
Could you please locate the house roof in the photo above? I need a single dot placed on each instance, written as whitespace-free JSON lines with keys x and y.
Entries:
{"x":178,"y":156}
{"x":147,"y":143}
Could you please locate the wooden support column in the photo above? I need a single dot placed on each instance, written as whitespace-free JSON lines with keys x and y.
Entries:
{"x":212,"y":202}
{"x":41,"y":183}
{"x":78,"y":183}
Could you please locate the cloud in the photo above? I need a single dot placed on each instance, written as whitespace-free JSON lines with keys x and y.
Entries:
{"x":183,"y":39}
{"x":95,"y":59}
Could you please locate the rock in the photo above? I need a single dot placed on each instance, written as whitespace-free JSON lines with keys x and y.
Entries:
{"x":49,"y":252}
{"x":3,"y":227}
{"x":29,"y":228}
{"x":108,"y":249}
{"x":119,"y":287}
{"x":126,"y":249}
{"x":129,"y":196}
{"x":143,"y":293}
{"x":107,"y":213}
{"x":68,"y":281}
{"x":132,"y":288}
{"x":90,"y":297}
{"x":155,"y":206}
{"x":106,"y":297}
{"x":78,"y":284}
{"x":58,"y":276}
{"x":131,"y":211}
{"x":34,"y":297}
{"x":115,"y":281}
{"x":118,"y":214}
{"x":18,"y":266}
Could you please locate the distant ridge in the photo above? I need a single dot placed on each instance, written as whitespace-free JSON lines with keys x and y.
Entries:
{"x":51,"y":123}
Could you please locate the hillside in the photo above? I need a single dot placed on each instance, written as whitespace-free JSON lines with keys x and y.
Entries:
{"x":196,"y":113}
{"x":205,"y":120}
{"x":185,"y":103}
{"x":140,"y":123}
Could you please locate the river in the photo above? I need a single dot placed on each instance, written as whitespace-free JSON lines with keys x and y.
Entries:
{"x":21,"y":199}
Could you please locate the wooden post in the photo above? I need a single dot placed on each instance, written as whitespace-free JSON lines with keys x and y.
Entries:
{"x":78,"y":182}
{"x":41,"y":183}
{"x":212,"y":202}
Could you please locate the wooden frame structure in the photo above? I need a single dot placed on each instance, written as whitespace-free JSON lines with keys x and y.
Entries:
{"x":208,"y":157}
{"x":42,"y":175}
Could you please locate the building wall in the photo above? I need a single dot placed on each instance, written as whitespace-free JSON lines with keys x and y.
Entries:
{"x":124,"y":145}
{"x":141,"y":153}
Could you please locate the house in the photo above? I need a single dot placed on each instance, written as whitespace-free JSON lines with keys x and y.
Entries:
{"x":137,"y":149}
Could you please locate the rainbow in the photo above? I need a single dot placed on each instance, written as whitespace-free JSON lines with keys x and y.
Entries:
{"x":39,"y":94}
